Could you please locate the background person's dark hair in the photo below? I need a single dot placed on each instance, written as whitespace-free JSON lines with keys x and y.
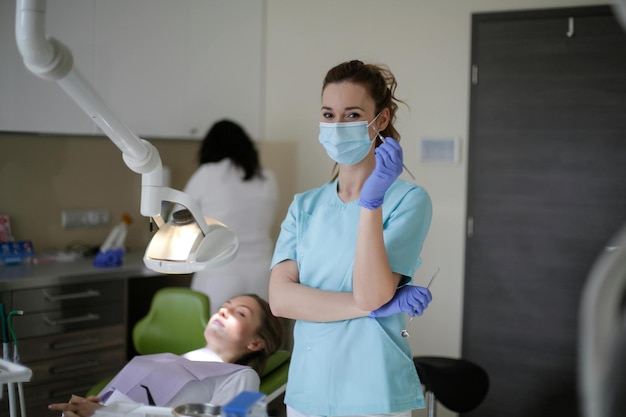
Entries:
{"x":227,"y":139}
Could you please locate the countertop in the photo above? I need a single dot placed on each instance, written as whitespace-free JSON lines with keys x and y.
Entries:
{"x":78,"y":271}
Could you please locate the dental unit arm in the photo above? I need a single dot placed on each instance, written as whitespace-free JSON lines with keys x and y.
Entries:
{"x":214,"y":243}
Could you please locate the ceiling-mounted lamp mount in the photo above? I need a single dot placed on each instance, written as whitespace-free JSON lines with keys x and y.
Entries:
{"x":213,"y":243}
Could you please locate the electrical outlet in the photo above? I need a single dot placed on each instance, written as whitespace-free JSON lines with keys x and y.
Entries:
{"x":74,"y":219}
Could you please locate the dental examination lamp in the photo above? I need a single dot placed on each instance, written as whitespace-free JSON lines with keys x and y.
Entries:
{"x":190,"y":242}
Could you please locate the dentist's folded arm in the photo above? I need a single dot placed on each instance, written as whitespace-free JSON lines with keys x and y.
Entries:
{"x":290,"y":299}
{"x":373,"y":282}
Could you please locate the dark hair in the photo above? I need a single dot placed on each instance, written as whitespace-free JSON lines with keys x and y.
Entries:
{"x":227,"y":139}
{"x":271,"y":331}
{"x":380,"y":84}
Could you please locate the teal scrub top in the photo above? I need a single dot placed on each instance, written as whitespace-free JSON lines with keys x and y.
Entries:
{"x":364,"y":365}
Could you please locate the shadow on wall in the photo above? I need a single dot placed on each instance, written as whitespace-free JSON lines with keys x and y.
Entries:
{"x":40,"y":176}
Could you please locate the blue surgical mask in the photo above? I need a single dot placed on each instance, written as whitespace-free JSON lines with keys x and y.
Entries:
{"x":346,"y":143}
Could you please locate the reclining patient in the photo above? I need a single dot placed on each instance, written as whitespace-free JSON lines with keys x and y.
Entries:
{"x":240,"y":337}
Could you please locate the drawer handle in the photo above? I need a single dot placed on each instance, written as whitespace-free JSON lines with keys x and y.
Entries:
{"x":71,"y":391}
{"x":74,"y":367}
{"x":74,"y":343}
{"x":86,"y":317}
{"x":72,"y":296}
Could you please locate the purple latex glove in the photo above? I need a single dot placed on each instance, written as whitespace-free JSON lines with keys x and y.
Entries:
{"x":388,"y":167}
{"x":410,"y":299}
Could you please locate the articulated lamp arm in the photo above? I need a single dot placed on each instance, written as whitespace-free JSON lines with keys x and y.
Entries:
{"x":51,"y":60}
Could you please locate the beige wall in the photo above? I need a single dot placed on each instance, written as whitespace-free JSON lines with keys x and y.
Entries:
{"x":42,"y":175}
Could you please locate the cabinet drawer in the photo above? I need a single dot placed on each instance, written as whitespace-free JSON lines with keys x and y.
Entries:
{"x":69,"y":296}
{"x":37,"y":397}
{"x":52,"y":346}
{"x":77,"y":366}
{"x":67,"y":320}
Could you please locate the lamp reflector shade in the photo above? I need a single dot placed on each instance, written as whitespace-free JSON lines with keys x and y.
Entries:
{"x":181,"y":247}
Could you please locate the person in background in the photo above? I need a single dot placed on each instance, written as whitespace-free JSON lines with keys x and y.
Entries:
{"x":240,"y":337}
{"x":345,"y":256}
{"x":230,"y":185}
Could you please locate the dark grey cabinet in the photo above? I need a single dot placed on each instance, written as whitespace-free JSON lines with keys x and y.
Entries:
{"x":546,"y":192}
{"x":76,"y":327}
{"x":71,"y":336}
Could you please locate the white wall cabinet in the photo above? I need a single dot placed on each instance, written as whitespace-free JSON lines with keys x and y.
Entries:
{"x":226,"y":46}
{"x":141,"y":63}
{"x":166,"y":68}
{"x":30,"y":104}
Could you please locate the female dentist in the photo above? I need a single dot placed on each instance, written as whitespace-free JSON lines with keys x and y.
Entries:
{"x":344,"y":257}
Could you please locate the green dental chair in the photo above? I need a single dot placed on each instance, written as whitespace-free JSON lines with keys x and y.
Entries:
{"x":175,"y":323}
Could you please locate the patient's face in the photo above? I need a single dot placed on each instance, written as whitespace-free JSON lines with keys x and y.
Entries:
{"x":234,"y":327}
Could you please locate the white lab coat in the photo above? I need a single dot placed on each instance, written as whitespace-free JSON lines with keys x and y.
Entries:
{"x":246,"y":207}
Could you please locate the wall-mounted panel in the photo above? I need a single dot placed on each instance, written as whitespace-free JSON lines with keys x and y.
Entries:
{"x":166,"y":69}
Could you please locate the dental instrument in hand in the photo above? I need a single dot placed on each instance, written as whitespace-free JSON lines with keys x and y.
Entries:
{"x":405,"y":332}
{"x":403,"y":166}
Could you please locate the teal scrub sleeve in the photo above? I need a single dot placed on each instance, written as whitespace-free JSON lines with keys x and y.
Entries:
{"x":286,"y":243}
{"x":405,"y":230}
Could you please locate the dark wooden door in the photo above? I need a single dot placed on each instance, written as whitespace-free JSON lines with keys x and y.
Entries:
{"x":546,"y":191}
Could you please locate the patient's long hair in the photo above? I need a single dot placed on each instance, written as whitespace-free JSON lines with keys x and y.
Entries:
{"x":271,"y":331}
